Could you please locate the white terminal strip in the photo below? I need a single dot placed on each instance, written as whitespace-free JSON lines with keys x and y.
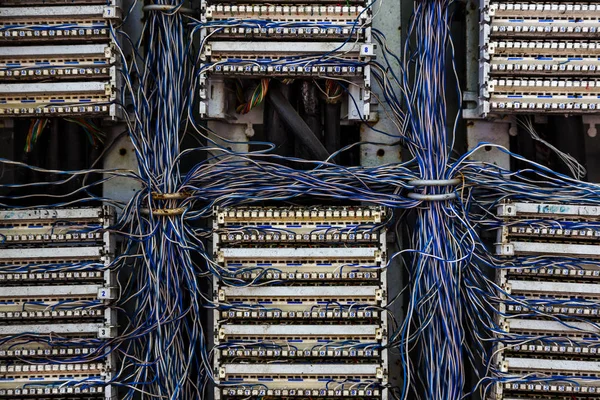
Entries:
{"x":304,"y":306}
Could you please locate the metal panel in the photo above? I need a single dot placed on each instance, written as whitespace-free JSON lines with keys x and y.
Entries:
{"x":547,"y":209}
{"x":272,"y":370}
{"x":550,"y":327}
{"x":52,"y":11}
{"x":49,"y":291}
{"x":56,"y":253}
{"x":301,"y":291}
{"x":386,"y":19}
{"x":554,"y":249}
{"x":53,"y":87}
{"x":301,"y":253}
{"x":554,"y":288}
{"x":542,"y":364}
{"x":86,"y":329}
{"x":51,"y":214}
{"x":300,"y":330}
{"x":30,"y":51}
{"x":497,"y":132}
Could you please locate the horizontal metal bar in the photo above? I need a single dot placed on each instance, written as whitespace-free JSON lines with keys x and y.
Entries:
{"x":556,"y":248}
{"x":6,"y":330}
{"x":302,"y":291}
{"x":35,"y":53}
{"x":310,"y":253}
{"x":282,"y":47}
{"x":56,"y":253}
{"x":300,"y":330}
{"x":52,"y":11}
{"x":50,"y":214}
{"x":543,"y":364}
{"x":567,"y":249}
{"x":558,"y":288}
{"x":272,"y":370}
{"x":49,"y":291}
{"x":551,"y":327}
{"x":550,"y":86}
{"x":48,"y":88}
{"x":64,"y":50}
{"x":556,"y":209}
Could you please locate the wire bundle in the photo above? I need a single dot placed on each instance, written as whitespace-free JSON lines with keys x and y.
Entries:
{"x":164,"y":353}
{"x":258,"y":96}
{"x":36,"y":128}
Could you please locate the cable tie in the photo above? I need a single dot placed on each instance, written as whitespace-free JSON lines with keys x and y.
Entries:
{"x":171,"y":196}
{"x":435,"y":182}
{"x":166,"y":8}
{"x":163,"y":212}
{"x":432,"y":197}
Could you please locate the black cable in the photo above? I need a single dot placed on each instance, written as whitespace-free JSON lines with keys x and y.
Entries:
{"x":296,"y":124}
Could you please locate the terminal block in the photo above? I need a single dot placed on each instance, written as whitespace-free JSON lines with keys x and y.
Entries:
{"x":250,"y":216}
{"x":548,"y":339}
{"x":57,"y":59}
{"x":303,"y":309}
{"x":277,"y":59}
{"x":57,"y":24}
{"x":315,"y":266}
{"x":580,"y":272}
{"x":560,"y":349}
{"x":360,"y":227}
{"x":56,"y":292}
{"x":286,"y":22}
{"x":549,"y":229}
{"x":287,"y":40}
{"x":538,"y":57}
{"x":64,"y":63}
{"x":310,"y":304}
{"x":533,"y":350}
{"x":361,"y":376}
{"x":582,"y":376}
{"x":93,"y":98}
{"x":359,"y":352}
{"x":360,"y":230}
